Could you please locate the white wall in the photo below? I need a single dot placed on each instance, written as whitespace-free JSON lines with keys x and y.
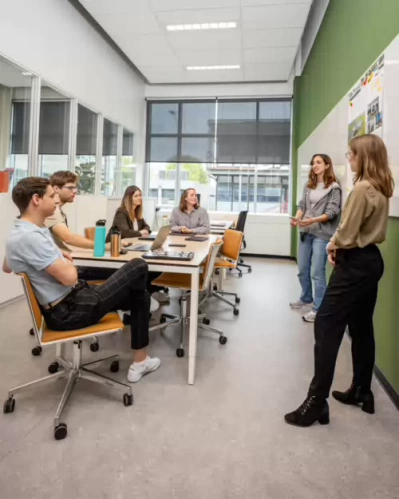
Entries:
{"x":330,"y":137}
{"x":10,"y":285}
{"x":51,"y":39}
{"x":220,"y":90}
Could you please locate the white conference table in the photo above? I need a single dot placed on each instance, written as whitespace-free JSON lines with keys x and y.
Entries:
{"x":85,"y":258}
{"x":220,"y":226}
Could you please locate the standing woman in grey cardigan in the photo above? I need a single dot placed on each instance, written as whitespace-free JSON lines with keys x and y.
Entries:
{"x":317,"y":218}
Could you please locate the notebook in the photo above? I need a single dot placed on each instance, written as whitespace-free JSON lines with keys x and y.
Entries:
{"x":169,"y":255}
{"x":199,"y":239}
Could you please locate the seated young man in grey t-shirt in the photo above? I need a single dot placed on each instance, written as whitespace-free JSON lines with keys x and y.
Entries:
{"x":66,"y":302}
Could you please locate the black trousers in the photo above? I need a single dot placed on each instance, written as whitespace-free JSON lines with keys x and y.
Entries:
{"x":126,"y":289}
{"x":349,"y":301}
{"x":102,"y":274}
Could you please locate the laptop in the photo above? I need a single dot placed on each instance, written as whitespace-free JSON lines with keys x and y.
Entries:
{"x":158,"y":242}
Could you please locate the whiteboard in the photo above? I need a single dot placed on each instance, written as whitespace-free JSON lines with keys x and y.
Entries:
{"x":149,"y":206}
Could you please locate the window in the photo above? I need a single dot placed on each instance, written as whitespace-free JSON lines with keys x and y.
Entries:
{"x":53,"y":131}
{"x":15,"y":97}
{"x":162,"y":183}
{"x":128,"y":167}
{"x":86,"y":150}
{"x":235,"y":153}
{"x":109,"y":159}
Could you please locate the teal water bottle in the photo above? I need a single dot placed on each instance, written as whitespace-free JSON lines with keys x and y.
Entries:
{"x":99,"y":238}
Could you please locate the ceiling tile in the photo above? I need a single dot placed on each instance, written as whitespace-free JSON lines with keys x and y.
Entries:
{"x":159,"y":74}
{"x":208,"y":57}
{"x":163,"y":5}
{"x":116,"y":6}
{"x":198,"y":16}
{"x":274,"y":16}
{"x":246,"y":3}
{"x":125,"y":25}
{"x":279,"y":54}
{"x":284,"y":37}
{"x":202,"y":40}
{"x":267,"y":72}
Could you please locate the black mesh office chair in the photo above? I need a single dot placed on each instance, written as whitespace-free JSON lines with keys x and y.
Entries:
{"x":242,"y":217}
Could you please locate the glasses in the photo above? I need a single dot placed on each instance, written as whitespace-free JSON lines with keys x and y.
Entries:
{"x":71,"y":188}
{"x":348,"y":155}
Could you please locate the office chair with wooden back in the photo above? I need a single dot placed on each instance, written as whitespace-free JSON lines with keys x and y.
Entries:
{"x":183,"y":282}
{"x":227,"y":260}
{"x":240,"y":226}
{"x":74,"y":370}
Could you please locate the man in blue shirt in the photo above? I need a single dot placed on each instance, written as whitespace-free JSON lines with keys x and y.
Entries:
{"x":66,"y":302}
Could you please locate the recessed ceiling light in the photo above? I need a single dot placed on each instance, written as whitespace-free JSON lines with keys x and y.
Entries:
{"x":210,"y":68}
{"x":196,"y":26}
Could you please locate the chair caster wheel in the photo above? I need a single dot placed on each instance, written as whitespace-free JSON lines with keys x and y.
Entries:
{"x":162,"y":320}
{"x":94,"y":347}
{"x":60,"y":431}
{"x":36,"y":351}
{"x":127,"y":399}
{"x":206,"y":321}
{"x":239,"y":276}
{"x":238,"y":300}
{"x":114,"y":367}
{"x":53,"y":367}
{"x":217,"y":272}
{"x":223,"y":340}
{"x":249,"y":271}
{"x":9,"y":405}
{"x":180,"y":352}
{"x":236,"y":311}
{"x":215,"y":287}
{"x":31,"y":332}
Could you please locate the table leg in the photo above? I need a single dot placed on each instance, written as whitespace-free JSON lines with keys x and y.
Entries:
{"x":192,"y":345}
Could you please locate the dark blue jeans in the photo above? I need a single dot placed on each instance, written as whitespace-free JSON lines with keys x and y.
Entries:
{"x":312,"y":259}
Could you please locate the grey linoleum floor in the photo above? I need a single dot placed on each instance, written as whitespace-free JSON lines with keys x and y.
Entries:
{"x":222,"y":438}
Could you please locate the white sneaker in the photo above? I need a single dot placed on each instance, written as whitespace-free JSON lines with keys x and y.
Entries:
{"x":310,"y":316}
{"x":297,"y":305}
{"x":154,"y":305}
{"x":138,"y":369}
{"x":161,"y":297}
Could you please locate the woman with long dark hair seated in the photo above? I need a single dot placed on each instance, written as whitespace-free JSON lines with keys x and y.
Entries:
{"x":130,"y":222}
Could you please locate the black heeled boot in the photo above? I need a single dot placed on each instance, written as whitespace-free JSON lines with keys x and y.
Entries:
{"x":313,"y":409}
{"x":355,"y":396}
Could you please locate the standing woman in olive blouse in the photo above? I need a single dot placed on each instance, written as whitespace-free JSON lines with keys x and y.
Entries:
{"x":352,"y":291}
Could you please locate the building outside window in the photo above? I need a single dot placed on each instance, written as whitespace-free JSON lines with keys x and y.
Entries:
{"x":236,"y":154}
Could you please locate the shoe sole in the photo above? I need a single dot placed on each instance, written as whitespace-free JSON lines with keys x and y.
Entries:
{"x":308,"y":321}
{"x":307,"y":425}
{"x":145,"y":373}
{"x":355,"y":404}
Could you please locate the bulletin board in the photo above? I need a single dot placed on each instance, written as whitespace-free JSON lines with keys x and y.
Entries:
{"x":366,"y":113}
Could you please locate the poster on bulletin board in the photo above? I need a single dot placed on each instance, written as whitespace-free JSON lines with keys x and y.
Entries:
{"x":365,"y":102}
{"x":366,"y":114}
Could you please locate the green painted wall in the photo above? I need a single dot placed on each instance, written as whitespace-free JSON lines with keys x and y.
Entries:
{"x":352,"y":35}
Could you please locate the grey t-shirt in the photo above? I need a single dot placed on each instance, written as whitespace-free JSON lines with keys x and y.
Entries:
{"x":314,"y":197}
{"x":30,"y":250}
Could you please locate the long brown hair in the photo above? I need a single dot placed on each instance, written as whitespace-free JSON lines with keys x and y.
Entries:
{"x":329,"y":175}
{"x":372,"y":163}
{"x":127,"y":203}
{"x":183,"y":204}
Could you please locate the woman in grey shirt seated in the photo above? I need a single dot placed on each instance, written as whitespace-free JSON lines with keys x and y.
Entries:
{"x":189,"y":217}
{"x":317,"y":218}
